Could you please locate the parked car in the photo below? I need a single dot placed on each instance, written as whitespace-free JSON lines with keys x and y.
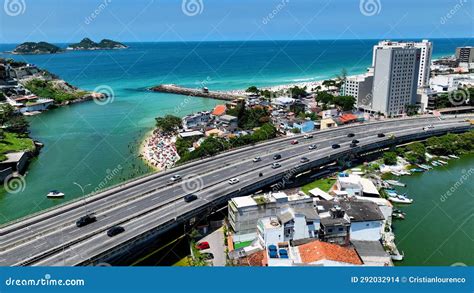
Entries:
{"x":335,"y":146}
{"x":190,"y":197}
{"x":115,"y":230}
{"x":202,"y":245}
{"x":277,"y":157}
{"x":308,"y":136}
{"x":175,"y":178}
{"x":207,"y":255}
{"x":86,"y":220}
{"x":350,"y":134}
{"x":294,"y":141}
{"x":313,"y":147}
{"x":256,"y":159}
{"x":304,"y":160}
{"x":380,"y":135}
{"x":233,"y":181}
{"x":276,"y":165}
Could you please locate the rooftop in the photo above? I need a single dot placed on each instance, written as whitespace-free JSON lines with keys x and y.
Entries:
{"x":357,"y":210}
{"x":317,"y":251}
{"x":219,"y":110}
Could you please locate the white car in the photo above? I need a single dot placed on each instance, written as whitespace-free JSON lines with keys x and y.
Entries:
{"x":313,"y":147}
{"x":256,"y":159}
{"x":175,"y":178}
{"x":233,"y":181}
{"x":308,"y":136}
{"x":276,"y":165}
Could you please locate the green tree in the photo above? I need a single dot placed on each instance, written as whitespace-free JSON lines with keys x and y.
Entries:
{"x":345,"y":102}
{"x":325,"y":98}
{"x":169,"y":123}
{"x":252,"y":89}
{"x":416,"y":153}
{"x":390,"y":158}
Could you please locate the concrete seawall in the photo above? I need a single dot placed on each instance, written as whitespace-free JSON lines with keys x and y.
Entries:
{"x":174,"y":89}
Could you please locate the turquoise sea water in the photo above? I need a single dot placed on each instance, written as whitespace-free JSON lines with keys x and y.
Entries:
{"x":85,"y":143}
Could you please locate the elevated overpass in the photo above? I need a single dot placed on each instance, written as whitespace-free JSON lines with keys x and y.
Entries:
{"x":150,"y":206}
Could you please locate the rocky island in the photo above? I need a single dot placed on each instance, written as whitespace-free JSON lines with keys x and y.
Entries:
{"x":88,"y":44}
{"x":36,"y":48}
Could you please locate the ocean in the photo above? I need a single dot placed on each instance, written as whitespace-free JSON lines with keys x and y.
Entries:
{"x":89,"y":146}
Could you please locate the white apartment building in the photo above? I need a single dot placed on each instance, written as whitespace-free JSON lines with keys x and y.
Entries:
{"x":426,"y":51}
{"x":396,"y":69}
{"x":360,"y":87}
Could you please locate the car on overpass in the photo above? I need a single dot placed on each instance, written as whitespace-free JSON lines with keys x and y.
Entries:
{"x":190,"y":197}
{"x":115,"y":230}
{"x":86,"y":220}
{"x":175,"y":178}
{"x":277,"y":157}
{"x":233,"y":181}
{"x":312,"y":147}
{"x":308,"y":136}
{"x":276,"y":165}
{"x":294,"y":141}
{"x":304,"y":160}
{"x":257,"y":159}
{"x":350,"y":134}
{"x":380,"y":135}
{"x":336,"y":146}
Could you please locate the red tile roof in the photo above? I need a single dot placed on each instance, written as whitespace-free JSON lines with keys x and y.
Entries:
{"x":318,"y":250}
{"x":257,"y":259}
{"x":219,"y":110}
{"x":347,"y":118}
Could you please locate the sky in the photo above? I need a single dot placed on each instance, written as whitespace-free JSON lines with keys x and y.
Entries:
{"x":66,"y":21}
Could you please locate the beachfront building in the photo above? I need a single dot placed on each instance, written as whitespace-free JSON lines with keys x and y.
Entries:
{"x":245,"y":211}
{"x":227,"y":122}
{"x":360,"y":87}
{"x":396,"y":71}
{"x":30,"y":103}
{"x":354,"y":185}
{"x":197,"y":120}
{"x":465,"y":57}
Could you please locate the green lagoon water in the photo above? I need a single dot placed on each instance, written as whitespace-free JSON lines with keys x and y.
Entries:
{"x":438,"y":232}
{"x":88,"y":143}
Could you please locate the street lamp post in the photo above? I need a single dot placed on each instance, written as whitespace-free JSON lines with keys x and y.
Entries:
{"x":83,"y":194}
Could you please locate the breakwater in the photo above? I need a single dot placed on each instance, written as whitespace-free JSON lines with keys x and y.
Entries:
{"x":203,"y":93}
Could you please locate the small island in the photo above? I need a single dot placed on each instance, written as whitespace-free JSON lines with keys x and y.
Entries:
{"x":32,"y":48}
{"x":88,"y":44}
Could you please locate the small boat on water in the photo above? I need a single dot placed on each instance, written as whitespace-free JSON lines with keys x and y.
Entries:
{"x":435,"y":163}
{"x":396,"y":173}
{"x":398,"y":216}
{"x":453,"y":157}
{"x":442,"y":162}
{"x":417,"y":170}
{"x":404,"y":172}
{"x":395,"y":255}
{"x":423,"y":166}
{"x":400,"y":199}
{"x":398,"y":211}
{"x":55,"y":194}
{"x":395,"y":183}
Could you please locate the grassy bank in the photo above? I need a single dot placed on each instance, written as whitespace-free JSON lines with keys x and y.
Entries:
{"x":13,"y":142}
{"x":324,"y":184}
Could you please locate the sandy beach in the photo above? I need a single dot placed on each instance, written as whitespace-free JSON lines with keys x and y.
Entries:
{"x":158,"y":150}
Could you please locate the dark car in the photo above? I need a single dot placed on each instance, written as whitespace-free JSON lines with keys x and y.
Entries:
{"x":207,"y":255}
{"x":350,"y":135}
{"x":86,"y":220}
{"x":190,"y":197}
{"x":381,"y":135}
{"x":355,"y":141}
{"x":115,"y":230}
{"x":335,"y":146}
{"x":304,"y":160}
{"x":277,"y":157}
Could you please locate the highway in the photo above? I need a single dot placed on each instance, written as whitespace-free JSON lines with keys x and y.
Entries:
{"x":52,"y":238}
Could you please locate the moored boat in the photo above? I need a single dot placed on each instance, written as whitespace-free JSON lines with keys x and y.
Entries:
{"x":55,"y":194}
{"x":453,"y":157}
{"x":400,"y":199}
{"x":395,"y":183}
